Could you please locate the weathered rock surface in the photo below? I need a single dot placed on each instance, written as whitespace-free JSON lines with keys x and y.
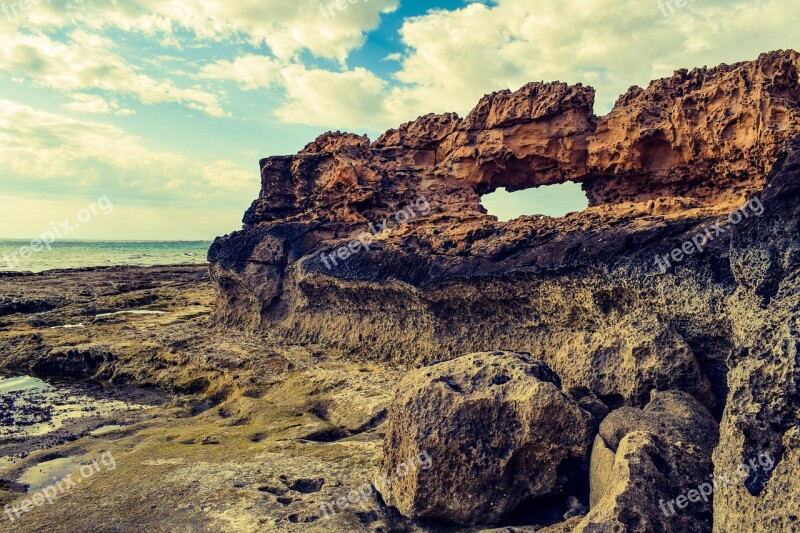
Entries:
{"x":673,"y":416}
{"x":647,"y":356}
{"x":712,"y":135}
{"x":643,"y":460}
{"x":550,"y":286}
{"x":498,"y":431}
{"x":696,"y":133}
{"x":645,"y":472}
{"x":762,"y":414}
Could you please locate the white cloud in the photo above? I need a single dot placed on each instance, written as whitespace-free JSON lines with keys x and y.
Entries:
{"x":316,"y":97}
{"x":453,"y":58}
{"x":95,"y":104}
{"x":351,"y":99}
{"x":250,"y":71}
{"x":45,"y":147}
{"x":286,"y":27}
{"x":87,"y":62}
{"x":230,"y":177}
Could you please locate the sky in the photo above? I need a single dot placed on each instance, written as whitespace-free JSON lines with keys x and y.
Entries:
{"x":163,"y":109}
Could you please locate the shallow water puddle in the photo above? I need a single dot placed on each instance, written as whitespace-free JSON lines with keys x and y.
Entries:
{"x":32,"y":407}
{"x":43,"y":475}
{"x":132,"y":312}
{"x":105,"y":430}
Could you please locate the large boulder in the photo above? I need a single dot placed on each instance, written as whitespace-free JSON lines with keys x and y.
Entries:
{"x":651,"y":468}
{"x":674,"y":416}
{"x":498,"y":430}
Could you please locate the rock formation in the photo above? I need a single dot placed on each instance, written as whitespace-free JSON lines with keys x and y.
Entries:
{"x":498,"y":430}
{"x":660,"y":155}
{"x":644,"y":460}
{"x":762,"y":415}
{"x":381,"y":251}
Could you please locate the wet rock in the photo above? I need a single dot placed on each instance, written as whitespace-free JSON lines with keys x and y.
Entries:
{"x":498,"y":430}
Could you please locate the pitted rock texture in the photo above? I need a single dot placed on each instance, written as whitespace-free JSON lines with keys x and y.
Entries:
{"x":697,"y":133}
{"x":646,"y":472}
{"x":643,"y":460}
{"x":498,"y":431}
{"x":762,"y":415}
{"x":673,"y":416}
{"x":710,"y":135}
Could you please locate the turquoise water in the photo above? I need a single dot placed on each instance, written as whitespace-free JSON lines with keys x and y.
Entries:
{"x":79,"y":254}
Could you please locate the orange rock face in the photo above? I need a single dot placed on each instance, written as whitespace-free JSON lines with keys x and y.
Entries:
{"x":709,"y":136}
{"x":667,"y":157}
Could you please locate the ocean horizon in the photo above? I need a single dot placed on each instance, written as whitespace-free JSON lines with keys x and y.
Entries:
{"x":70,"y":254}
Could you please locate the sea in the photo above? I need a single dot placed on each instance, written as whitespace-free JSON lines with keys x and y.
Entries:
{"x":80,"y":254}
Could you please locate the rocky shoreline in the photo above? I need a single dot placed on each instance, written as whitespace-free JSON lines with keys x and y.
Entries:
{"x":461,"y":374}
{"x":252,"y":436}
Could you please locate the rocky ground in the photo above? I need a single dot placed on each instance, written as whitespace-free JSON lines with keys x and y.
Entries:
{"x":243,"y":435}
{"x":253,"y":437}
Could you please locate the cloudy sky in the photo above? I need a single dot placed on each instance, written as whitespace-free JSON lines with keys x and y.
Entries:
{"x":167,"y":106}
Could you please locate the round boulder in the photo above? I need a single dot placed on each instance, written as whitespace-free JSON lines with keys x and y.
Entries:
{"x":494,"y":428}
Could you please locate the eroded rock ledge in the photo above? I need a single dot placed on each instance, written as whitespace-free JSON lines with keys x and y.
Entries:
{"x":665,"y":161}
